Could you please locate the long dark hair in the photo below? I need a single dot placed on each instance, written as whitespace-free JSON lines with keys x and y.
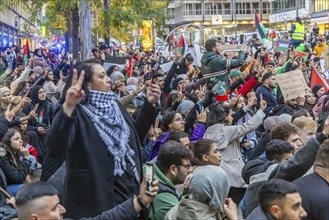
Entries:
{"x":88,"y":67}
{"x":14,"y":156}
{"x":199,"y":148}
{"x":218,"y":115}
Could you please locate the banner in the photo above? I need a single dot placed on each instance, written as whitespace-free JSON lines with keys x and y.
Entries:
{"x":292,"y":84}
{"x":147,"y":36}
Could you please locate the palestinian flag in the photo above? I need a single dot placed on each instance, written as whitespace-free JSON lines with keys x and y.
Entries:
{"x":26,"y":51}
{"x":260,"y":29}
{"x":181,"y":45}
{"x":316,"y":78}
{"x":302,"y":54}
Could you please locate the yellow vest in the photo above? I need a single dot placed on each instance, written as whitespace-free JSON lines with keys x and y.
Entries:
{"x":299,"y":32}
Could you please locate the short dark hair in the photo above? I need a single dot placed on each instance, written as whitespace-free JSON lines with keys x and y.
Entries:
{"x":273,"y":192}
{"x":323,"y":155}
{"x":217,"y":115}
{"x":177,"y":135}
{"x":34,"y":190}
{"x":276,"y":148}
{"x":299,"y":113}
{"x":283,"y":130}
{"x":172,"y":153}
{"x":167,"y":119}
{"x":88,"y":67}
{"x":210,"y":44}
{"x":199,"y":148}
{"x":189,"y":57}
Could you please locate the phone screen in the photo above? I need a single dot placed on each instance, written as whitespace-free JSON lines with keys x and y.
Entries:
{"x":149,"y":176}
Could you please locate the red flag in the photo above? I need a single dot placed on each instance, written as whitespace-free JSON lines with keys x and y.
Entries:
{"x":316,"y":78}
{"x":26,"y":50}
{"x":301,"y":54}
{"x":181,"y":45}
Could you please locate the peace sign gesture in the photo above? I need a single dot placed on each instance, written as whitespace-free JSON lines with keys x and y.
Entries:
{"x":9,"y":115}
{"x":262,"y":103}
{"x":75,"y":93}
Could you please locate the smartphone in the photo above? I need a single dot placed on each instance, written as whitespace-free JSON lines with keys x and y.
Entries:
{"x":149,"y":174}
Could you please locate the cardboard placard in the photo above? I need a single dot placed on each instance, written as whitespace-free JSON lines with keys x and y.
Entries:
{"x":326,"y":58}
{"x":292,"y":84}
{"x":229,"y":47}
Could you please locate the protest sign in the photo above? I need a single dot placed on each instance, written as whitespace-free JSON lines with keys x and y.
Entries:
{"x":292,"y":84}
{"x":229,"y":47}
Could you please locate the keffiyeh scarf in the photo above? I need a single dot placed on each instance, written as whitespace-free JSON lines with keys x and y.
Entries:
{"x":104,"y":111}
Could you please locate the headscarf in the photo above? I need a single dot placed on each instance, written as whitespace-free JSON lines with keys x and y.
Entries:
{"x":270,"y":122}
{"x":184,"y":106}
{"x":316,"y":88}
{"x":110,"y":70}
{"x":318,"y":107}
{"x":34,"y":95}
{"x":115,"y":75}
{"x":210,"y":185}
{"x":3,"y":90}
{"x":35,"y":53}
{"x":104,"y":112}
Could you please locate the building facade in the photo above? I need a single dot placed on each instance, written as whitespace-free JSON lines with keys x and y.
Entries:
{"x":11,"y":26}
{"x":312,"y":11}
{"x":202,"y":12}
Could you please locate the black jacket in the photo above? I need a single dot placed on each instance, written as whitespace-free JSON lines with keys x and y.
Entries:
{"x":90,"y":187}
{"x":13,"y":174}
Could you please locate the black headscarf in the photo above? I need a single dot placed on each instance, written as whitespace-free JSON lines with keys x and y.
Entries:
{"x":34,"y":95}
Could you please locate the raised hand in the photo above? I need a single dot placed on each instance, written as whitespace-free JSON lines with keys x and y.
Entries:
{"x":74,"y":94}
{"x":33,"y":113}
{"x":25,"y":153}
{"x":153,"y":93}
{"x":202,"y":116}
{"x":263,"y":103}
{"x":9,"y":115}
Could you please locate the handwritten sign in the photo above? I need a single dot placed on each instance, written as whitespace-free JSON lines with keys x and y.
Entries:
{"x":292,"y":84}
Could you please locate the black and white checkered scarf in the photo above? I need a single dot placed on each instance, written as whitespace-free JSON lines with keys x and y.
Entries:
{"x":104,"y":111}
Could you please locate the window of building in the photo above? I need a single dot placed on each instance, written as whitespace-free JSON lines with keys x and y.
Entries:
{"x":208,"y":9}
{"x":320,"y":5}
{"x":198,"y":9}
{"x":255,"y":6}
{"x":248,"y":9}
{"x":265,"y":8}
{"x":189,"y":9}
{"x":227,"y":9}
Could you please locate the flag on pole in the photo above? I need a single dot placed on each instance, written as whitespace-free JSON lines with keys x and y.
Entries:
{"x":302,"y":54}
{"x":316,"y":78}
{"x":260,"y":29}
{"x":26,"y":51}
{"x":181,"y":45}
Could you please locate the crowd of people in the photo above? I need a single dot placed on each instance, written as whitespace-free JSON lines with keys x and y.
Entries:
{"x":222,"y":141}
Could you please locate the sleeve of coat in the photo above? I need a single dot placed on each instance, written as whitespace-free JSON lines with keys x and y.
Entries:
{"x":14,"y":175}
{"x":234,"y":132}
{"x":170,"y":75}
{"x":238,"y":61}
{"x":62,"y":126}
{"x":198,"y":132}
{"x":145,"y":119}
{"x":248,"y":86}
{"x":124,"y":210}
{"x":297,"y":165}
{"x":22,"y":77}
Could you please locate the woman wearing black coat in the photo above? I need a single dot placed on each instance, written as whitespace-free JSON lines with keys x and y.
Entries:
{"x":100,"y":142}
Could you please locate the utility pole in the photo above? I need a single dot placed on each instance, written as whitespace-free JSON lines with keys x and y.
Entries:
{"x":235,"y":26}
{"x":297,"y":7}
{"x":203,"y":9}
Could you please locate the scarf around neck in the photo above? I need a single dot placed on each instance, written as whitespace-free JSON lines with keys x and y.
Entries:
{"x":104,"y":111}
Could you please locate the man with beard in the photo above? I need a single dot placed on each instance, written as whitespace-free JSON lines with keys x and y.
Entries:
{"x":266,"y":90}
{"x":172,"y":166}
{"x":287,"y":106}
{"x":212,"y":61}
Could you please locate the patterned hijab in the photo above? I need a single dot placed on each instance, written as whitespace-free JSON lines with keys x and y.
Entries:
{"x":104,"y":111}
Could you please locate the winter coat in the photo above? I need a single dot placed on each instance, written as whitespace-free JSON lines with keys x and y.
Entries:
{"x":13,"y":174}
{"x":167,"y":196}
{"x":90,"y":185}
{"x":268,"y":96}
{"x":227,"y":139}
{"x":212,"y":62}
{"x":259,"y":214}
{"x":191,"y":209}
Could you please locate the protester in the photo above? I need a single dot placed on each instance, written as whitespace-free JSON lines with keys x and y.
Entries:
{"x":278,"y":199}
{"x":89,"y":103}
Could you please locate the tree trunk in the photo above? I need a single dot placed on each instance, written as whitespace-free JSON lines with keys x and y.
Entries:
{"x":75,"y":32}
{"x":68,"y":34}
{"x":85,"y":29}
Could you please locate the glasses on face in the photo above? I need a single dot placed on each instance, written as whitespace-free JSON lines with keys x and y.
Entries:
{"x":181,"y":120}
{"x":187,"y":166}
